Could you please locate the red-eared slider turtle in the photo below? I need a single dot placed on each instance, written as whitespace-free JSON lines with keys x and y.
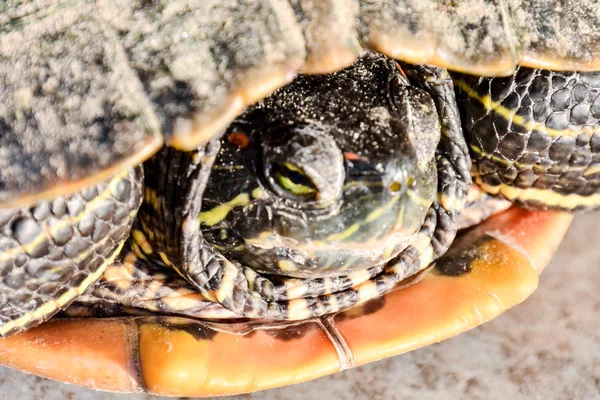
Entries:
{"x":296,"y":238}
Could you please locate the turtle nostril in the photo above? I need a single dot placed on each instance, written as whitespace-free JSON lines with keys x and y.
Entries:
{"x":395,"y":187}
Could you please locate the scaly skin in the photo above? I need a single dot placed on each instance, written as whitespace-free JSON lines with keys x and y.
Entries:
{"x":534,"y":136}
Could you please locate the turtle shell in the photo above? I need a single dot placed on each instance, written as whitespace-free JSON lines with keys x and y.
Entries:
{"x":90,"y":88}
{"x":488,"y":270}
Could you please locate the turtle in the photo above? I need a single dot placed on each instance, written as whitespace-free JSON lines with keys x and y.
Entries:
{"x":149,"y":177}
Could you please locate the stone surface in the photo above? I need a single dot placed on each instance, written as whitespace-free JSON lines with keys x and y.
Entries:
{"x":546,"y":348}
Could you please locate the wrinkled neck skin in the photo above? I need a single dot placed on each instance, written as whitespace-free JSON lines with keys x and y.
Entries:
{"x":330,"y":175}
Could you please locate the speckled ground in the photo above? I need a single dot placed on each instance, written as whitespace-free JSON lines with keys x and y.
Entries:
{"x":546,"y":348}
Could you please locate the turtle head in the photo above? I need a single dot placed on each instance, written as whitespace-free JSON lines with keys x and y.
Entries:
{"x":308,"y":184}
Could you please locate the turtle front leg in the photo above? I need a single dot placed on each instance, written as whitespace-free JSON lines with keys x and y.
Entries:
{"x":52,"y":251}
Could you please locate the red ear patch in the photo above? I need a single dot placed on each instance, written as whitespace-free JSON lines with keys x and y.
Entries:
{"x":239,"y":139}
{"x":352,"y":156}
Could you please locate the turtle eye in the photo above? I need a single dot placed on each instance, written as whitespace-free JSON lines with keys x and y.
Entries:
{"x":293,"y":180}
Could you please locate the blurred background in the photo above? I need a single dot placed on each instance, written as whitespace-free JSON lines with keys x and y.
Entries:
{"x":546,"y":348}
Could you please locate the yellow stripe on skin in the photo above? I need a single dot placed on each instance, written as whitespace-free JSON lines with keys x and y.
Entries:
{"x":183,"y":299}
{"x":373,"y":215}
{"x":219,"y":213}
{"x":151,"y":197}
{"x":400,"y":218}
{"x":389,"y":250}
{"x":499,"y":160}
{"x":419,"y":200}
{"x":422,"y":244}
{"x":91,"y":278}
{"x":350,"y":261}
{"x":378,"y":212}
{"x":359,"y":277}
{"x":509,"y":163}
{"x":333,"y":303}
{"x":426,"y":256}
{"x":153,"y":288}
{"x":138,"y":252}
{"x":511,"y":115}
{"x":150,"y":305}
{"x":45,"y":234}
{"x":82,"y":256}
{"x":142,"y":241}
{"x":117,"y":276}
{"x":351,"y":230}
{"x":120,"y":275}
{"x":296,"y":289}
{"x":298,"y":309}
{"x":451,"y":203}
{"x":226,"y":289}
{"x":287,"y":265}
{"x":52,"y":305}
{"x":367,"y":290}
{"x":585,"y":170}
{"x":165,"y":259}
{"x":258,"y":193}
{"x":251,"y":277}
{"x":545,"y":196}
{"x":129,"y":262}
